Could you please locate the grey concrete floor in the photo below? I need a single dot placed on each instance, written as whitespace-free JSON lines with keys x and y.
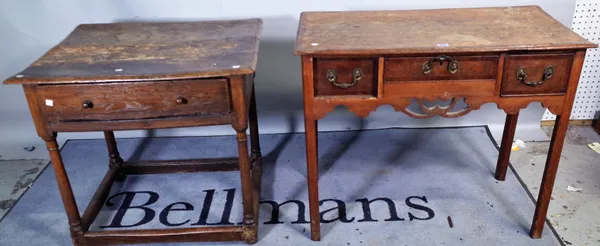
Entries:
{"x":16,"y":176}
{"x":575,"y":215}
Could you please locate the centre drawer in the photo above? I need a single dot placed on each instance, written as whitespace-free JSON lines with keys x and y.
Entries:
{"x":133,"y":100}
{"x":441,"y":67}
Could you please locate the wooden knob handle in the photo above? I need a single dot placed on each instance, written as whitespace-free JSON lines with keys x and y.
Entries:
{"x":181,"y":100}
{"x":87,"y":104}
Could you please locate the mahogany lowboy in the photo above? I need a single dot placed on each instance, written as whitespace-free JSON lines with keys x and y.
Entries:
{"x":509,"y":56}
{"x":123,"y":76}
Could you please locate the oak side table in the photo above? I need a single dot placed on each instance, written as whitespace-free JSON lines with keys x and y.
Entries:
{"x":510,"y":56}
{"x":125,"y":76}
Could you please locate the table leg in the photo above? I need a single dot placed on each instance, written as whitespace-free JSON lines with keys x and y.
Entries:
{"x":246,"y":179}
{"x":256,"y":161}
{"x":505,"y":147}
{"x":254,"y":135}
{"x":313,"y":177}
{"x":240,"y":124}
{"x":64,"y":186}
{"x":556,"y":145}
{"x":115,"y":160}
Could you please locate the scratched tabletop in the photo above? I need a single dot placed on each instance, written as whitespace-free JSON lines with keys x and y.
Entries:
{"x":433,"y":31}
{"x":148,"y":51}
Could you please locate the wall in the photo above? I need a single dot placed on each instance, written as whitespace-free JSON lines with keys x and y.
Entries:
{"x":587,"y":100}
{"x":29,"y":28}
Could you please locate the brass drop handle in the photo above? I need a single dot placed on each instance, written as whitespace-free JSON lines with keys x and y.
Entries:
{"x":332,"y":77}
{"x":181,"y":100}
{"x":87,"y":104}
{"x":427,"y":67}
{"x":522,"y":75}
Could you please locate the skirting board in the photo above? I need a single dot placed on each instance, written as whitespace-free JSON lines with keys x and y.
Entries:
{"x":571,"y":122}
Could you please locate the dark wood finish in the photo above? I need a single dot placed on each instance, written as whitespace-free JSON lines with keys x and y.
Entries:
{"x":114,"y":158}
{"x":556,"y":144}
{"x":139,"y":100}
{"x":102,"y":192}
{"x":433,"y":31}
{"x":211,"y":234}
{"x":64,"y":186}
{"x":139,"y":124}
{"x":596,"y":126}
{"x":489,"y":44}
{"x":126,"y":76}
{"x":240,"y":124}
{"x":445,"y":89}
{"x":135,"y":51}
{"x":469,"y":68}
{"x":535,"y":65}
{"x":499,"y":76}
{"x":510,"y":125}
{"x":256,"y":160}
{"x":366,"y":86}
{"x":180,"y":166}
{"x":310,"y":126}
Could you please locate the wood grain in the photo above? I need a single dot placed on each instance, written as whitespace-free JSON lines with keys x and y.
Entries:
{"x":444,"y":89}
{"x":148,"y":51}
{"x":134,"y":100}
{"x":556,"y":144}
{"x":211,"y":234}
{"x":433,"y":31}
{"x":535,"y":65}
{"x":469,"y":68}
{"x":180,"y":166}
{"x":510,"y":126}
{"x":490,"y":44}
{"x":171,"y":75}
{"x":139,"y":124}
{"x":98,"y":199}
{"x":344,"y":67}
{"x":311,"y":131}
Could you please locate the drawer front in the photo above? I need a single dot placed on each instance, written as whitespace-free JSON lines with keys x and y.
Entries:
{"x":402,"y":69}
{"x":536,"y":74}
{"x":351,"y":77}
{"x":137,"y":100}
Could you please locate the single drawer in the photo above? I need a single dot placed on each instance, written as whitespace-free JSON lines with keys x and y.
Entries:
{"x":134,"y":100}
{"x":536,"y":74}
{"x":443,"y":67}
{"x":349,"y":77}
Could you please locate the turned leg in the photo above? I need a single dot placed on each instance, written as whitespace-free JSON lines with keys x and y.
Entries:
{"x":64,"y":186}
{"x":115,"y":160}
{"x":240,"y":124}
{"x":505,"y":147}
{"x":246,"y":178}
{"x":556,"y":145}
{"x":313,"y":177}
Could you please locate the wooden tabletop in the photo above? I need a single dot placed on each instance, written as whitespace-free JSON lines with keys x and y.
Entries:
{"x":433,"y":31}
{"x":148,"y":51}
